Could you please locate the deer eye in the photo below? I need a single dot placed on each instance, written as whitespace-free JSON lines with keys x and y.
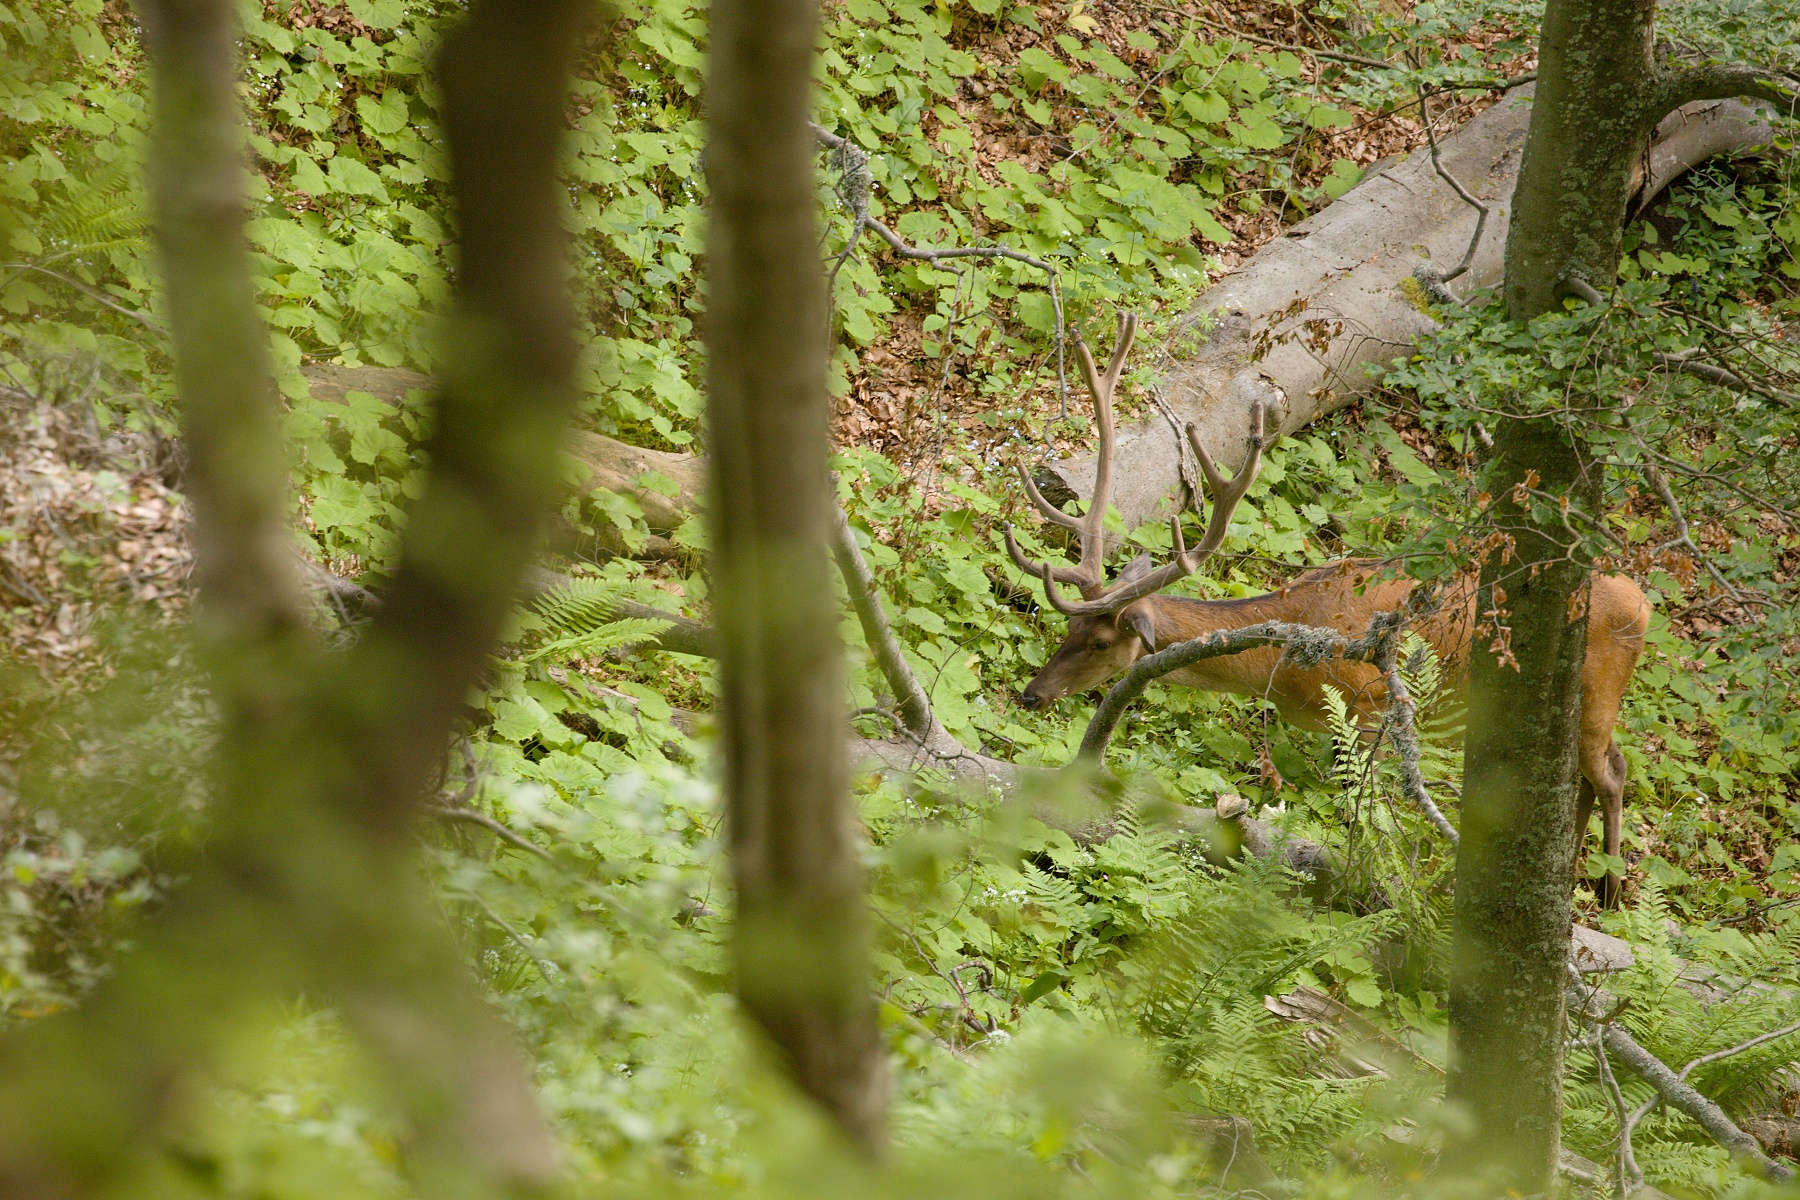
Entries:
{"x":1100,"y":645}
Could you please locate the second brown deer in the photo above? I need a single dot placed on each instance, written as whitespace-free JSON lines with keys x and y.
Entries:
{"x":1112,"y":625}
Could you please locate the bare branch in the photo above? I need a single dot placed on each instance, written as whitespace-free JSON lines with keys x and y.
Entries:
{"x":1724,"y":378}
{"x":1683,"y":538}
{"x":1430,"y":277}
{"x":1671,"y":1087}
{"x":854,"y":182}
{"x":456,"y":812}
{"x":1723,"y":81}
{"x":865,"y":597}
{"x":1401,"y":728}
{"x":142,"y":318}
{"x":1305,"y":645}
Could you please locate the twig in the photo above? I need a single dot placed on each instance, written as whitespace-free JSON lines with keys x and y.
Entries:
{"x":21,"y":587}
{"x":544,"y":967}
{"x":854,"y":183}
{"x":1426,"y":273}
{"x":1660,"y":482}
{"x":1355,"y":60}
{"x":450,"y":812}
{"x":1724,"y":378}
{"x":1630,"y":1177}
{"x":1672,"y":1088}
{"x":143,"y":319}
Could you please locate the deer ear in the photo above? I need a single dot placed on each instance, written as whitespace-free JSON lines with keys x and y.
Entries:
{"x":1137,"y":568}
{"x":1137,"y":618}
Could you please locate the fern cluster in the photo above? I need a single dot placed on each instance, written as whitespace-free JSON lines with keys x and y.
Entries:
{"x":1689,"y":994}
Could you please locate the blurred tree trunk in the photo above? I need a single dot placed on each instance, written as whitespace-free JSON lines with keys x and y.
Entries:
{"x":801,"y":943}
{"x":308,"y":883}
{"x":1600,"y":94}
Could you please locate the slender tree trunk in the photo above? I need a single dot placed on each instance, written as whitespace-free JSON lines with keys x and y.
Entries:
{"x":801,"y":944}
{"x":1599,"y":96}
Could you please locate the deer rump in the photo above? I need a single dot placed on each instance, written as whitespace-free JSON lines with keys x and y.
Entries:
{"x":1113,"y":625}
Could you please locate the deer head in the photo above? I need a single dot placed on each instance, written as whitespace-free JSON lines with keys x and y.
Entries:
{"x":1110,"y":627}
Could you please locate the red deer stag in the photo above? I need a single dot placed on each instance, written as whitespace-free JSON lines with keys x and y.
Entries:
{"x":1110,"y":627}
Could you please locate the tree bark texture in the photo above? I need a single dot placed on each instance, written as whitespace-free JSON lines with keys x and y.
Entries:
{"x":1515,"y":859}
{"x":1600,"y":95}
{"x":801,"y":942}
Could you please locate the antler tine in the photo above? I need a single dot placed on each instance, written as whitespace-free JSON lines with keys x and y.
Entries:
{"x":1066,"y":608}
{"x":1127,"y":335}
{"x":1048,"y":510}
{"x":1225,"y":496}
{"x":1100,"y":387}
{"x":1092,"y":526}
{"x":1074,"y":575}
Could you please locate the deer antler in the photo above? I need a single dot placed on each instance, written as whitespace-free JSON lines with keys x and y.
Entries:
{"x":1225,"y":497}
{"x":1089,"y":576}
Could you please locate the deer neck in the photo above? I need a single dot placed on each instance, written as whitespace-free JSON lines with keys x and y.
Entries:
{"x":1178,"y":619}
{"x":1184,"y":619}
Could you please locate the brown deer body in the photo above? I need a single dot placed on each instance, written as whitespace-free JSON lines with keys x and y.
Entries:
{"x":1113,"y":625}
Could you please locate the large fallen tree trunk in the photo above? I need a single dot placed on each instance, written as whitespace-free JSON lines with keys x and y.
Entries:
{"x":1296,"y":325}
{"x":666,"y":487}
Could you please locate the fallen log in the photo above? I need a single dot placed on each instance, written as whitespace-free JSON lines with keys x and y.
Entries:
{"x":667,"y":488}
{"x":1292,"y":327}
{"x":1295,"y":326}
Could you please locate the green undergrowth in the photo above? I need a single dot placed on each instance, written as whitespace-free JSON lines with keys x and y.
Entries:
{"x":1054,"y":1011}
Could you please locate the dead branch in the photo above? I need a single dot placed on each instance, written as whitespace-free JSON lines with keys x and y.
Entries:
{"x":865,"y":597}
{"x":1402,"y":713}
{"x":1683,"y":537}
{"x":142,"y":318}
{"x":854,"y":182}
{"x":1724,"y":378}
{"x":1672,"y":1088}
{"x":1305,"y":645}
{"x":456,"y":812}
{"x":1427,"y":273}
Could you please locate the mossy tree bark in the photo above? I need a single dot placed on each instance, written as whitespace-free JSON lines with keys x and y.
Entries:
{"x":801,"y":943}
{"x":1600,"y":94}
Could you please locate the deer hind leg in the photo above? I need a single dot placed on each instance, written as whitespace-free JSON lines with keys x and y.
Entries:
{"x":1584,"y":808}
{"x":1612,"y":816}
{"x":1603,"y":781}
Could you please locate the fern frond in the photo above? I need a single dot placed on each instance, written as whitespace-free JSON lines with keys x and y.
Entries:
{"x":580,"y":606}
{"x":103,"y":215}
{"x":1058,"y":897}
{"x":598,"y":641}
{"x":1420,"y":670}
